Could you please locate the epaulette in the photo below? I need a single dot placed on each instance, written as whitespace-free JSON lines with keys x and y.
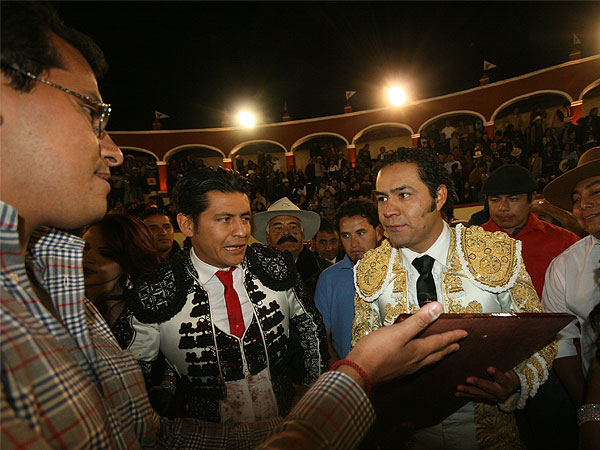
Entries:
{"x":492,"y":260}
{"x":275,"y":269}
{"x":162,"y":294}
{"x":374,"y":271}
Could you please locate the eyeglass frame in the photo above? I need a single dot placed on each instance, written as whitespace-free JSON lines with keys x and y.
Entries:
{"x":101,"y":110}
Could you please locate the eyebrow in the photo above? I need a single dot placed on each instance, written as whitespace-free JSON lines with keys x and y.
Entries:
{"x":587,"y":186}
{"x":394,"y":190}
{"x":282,"y":222}
{"x":228,"y":214}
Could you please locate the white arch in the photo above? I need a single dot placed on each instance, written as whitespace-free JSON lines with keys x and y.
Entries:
{"x":588,"y":88}
{"x":183,"y":147}
{"x":358,"y":135}
{"x":308,"y":137}
{"x":138,"y":149}
{"x":451,"y":113}
{"x":238,"y":147}
{"x":528,"y":95}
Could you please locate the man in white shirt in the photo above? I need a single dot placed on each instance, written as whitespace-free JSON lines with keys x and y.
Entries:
{"x":569,"y":284}
{"x":447,"y":130}
{"x":468,"y":270}
{"x":233,"y":321}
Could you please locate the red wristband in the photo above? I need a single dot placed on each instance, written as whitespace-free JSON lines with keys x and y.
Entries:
{"x":361,"y":372}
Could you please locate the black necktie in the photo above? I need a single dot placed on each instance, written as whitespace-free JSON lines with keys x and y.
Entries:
{"x":425,"y":284}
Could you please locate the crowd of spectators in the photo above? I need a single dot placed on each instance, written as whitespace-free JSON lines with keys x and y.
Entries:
{"x":465,"y":149}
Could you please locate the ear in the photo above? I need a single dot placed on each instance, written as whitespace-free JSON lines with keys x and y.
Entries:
{"x":186,"y":225}
{"x":441,"y":196}
{"x":379,"y":233}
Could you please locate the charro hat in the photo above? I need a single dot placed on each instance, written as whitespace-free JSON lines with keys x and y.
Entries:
{"x":565,"y":218}
{"x":509,"y":179}
{"x":566,"y":164}
{"x":284,"y":207}
{"x":558,"y":191}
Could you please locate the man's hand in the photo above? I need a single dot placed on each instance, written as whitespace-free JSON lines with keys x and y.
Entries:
{"x":391,"y":352}
{"x":492,"y":392}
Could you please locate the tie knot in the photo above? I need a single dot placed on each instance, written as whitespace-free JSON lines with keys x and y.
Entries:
{"x":226,"y":276}
{"x":424,"y":264}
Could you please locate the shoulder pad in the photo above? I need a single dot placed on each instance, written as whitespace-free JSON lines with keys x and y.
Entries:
{"x":275,"y":269}
{"x":161,"y":295}
{"x":373,"y":272}
{"x":492,"y":260}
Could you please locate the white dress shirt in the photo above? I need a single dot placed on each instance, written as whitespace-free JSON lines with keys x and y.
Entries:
{"x":216,"y":292}
{"x":569,"y":287}
{"x":439,"y":252}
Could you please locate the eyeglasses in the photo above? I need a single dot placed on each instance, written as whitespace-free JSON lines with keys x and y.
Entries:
{"x":99,"y":112}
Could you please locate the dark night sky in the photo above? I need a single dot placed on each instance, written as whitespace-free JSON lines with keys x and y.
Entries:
{"x":194,"y":60}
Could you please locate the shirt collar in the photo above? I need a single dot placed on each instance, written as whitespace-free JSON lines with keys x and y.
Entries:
{"x":438,"y":251}
{"x":533,"y":223}
{"x":205,"y":271}
{"x":346,"y":263}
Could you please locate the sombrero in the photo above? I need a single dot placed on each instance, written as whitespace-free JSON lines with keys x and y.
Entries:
{"x":284,"y":207}
{"x":558,"y":191}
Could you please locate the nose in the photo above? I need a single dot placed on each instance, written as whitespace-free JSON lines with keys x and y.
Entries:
{"x":240,"y":228}
{"x":585,"y":201}
{"x":503,"y":204}
{"x":387,"y":208}
{"x":109,"y":151}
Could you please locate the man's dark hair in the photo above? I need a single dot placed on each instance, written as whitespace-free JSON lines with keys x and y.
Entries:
{"x":26,"y":29}
{"x":153,"y":212}
{"x":352,"y":208}
{"x":431,"y":171}
{"x":327,"y":226}
{"x":189,"y":194}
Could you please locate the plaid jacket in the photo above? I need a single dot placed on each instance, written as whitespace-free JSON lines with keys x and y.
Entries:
{"x":67,"y":384}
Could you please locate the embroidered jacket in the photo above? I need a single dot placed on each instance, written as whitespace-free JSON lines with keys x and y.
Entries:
{"x":286,"y":334}
{"x":484,"y":273}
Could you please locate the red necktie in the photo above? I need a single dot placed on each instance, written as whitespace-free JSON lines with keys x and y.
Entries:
{"x":232,"y":301}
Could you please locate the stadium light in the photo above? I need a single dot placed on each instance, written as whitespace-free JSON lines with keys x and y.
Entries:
{"x":396,"y":95}
{"x":246,"y":119}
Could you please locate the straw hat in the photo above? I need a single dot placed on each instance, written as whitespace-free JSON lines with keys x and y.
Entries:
{"x":516,"y":152}
{"x":284,"y":207}
{"x":565,"y":218}
{"x":558,"y":191}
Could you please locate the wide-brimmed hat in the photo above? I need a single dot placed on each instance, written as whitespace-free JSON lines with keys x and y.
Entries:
{"x":284,"y":207}
{"x":565,"y":218}
{"x":477,"y":154}
{"x":558,"y":191}
{"x":516,"y":152}
{"x":566,"y":164}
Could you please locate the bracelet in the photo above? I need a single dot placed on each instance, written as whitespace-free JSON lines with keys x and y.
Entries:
{"x":361,"y":372}
{"x":590,"y":412}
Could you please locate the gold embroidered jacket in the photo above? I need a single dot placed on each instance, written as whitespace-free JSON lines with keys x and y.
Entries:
{"x":484,"y":274}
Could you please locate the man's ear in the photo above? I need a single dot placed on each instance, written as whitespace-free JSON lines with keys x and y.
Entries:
{"x":441,"y":196}
{"x":186,"y":225}
{"x":379,"y":233}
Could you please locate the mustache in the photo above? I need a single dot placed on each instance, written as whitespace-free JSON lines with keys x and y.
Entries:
{"x":287,"y":239}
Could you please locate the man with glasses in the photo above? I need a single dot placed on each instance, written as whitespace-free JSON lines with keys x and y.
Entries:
{"x":64,"y":380}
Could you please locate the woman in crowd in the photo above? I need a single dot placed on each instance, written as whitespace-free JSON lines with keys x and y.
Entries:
{"x":118,"y":251}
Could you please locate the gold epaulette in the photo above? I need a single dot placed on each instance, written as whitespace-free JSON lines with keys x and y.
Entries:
{"x":492,"y":260}
{"x":373,"y":271}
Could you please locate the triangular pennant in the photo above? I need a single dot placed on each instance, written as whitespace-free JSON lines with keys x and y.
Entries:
{"x":488,"y":65}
